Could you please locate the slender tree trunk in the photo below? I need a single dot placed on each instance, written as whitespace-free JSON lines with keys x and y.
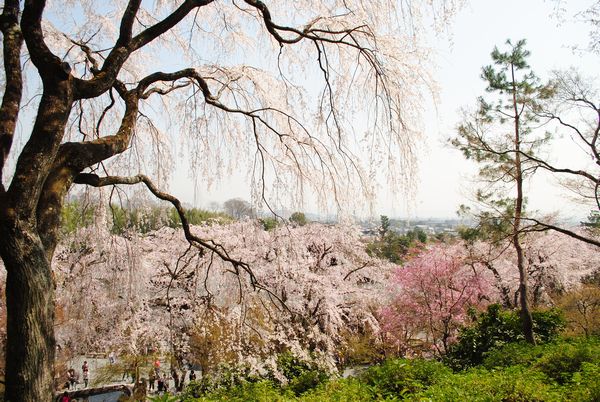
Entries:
{"x":30,"y":314}
{"x":526,"y":318}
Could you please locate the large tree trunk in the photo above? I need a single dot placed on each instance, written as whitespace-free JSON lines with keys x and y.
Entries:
{"x":30,"y":314}
{"x":33,"y":201}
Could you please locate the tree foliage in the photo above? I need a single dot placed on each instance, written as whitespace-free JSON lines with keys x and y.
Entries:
{"x":393,"y":246}
{"x":239,"y":208}
{"x":314,"y":286}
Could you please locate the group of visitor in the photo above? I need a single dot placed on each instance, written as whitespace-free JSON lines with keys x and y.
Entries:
{"x":73,"y":376}
{"x":156,"y":376}
{"x":158,"y":380}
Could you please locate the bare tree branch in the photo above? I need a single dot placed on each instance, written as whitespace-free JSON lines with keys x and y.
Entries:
{"x":126,"y":44}
{"x":48,"y":64}
{"x":542,"y":226}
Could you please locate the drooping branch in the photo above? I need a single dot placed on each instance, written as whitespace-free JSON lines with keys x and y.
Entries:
{"x":9,"y":110}
{"x":341,"y":36}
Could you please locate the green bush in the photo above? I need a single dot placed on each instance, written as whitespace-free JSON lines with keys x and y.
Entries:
{"x":237,"y":382}
{"x":306,"y":381}
{"x":347,"y":390}
{"x":513,"y":354}
{"x":196,"y":216}
{"x":261,"y":391}
{"x":268,"y":223}
{"x":508,"y":385}
{"x":75,"y":215}
{"x":149,"y":218}
{"x":198,"y":388}
{"x":301,"y":376}
{"x":402,"y":376}
{"x":496,"y":328}
{"x":565,"y":359}
{"x":225,"y":379}
{"x":585,"y":384}
{"x":298,"y":219}
{"x":558,"y":371}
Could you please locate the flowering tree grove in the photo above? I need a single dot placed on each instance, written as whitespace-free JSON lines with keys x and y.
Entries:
{"x":157,"y":293}
{"x":101,"y":79}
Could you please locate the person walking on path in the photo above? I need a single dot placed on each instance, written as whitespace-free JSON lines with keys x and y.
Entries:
{"x":161,"y":384}
{"x":175,"y":377}
{"x":165,"y":382}
{"x":71,"y":380}
{"x":85,"y":369}
{"x":151,"y":378}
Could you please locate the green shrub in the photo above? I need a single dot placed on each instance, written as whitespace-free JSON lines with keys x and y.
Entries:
{"x":301,"y":376}
{"x":298,"y":219}
{"x":496,"y":328}
{"x":163,"y":398}
{"x":75,"y":215}
{"x":198,"y":388}
{"x":306,"y":381}
{"x":196,"y":216}
{"x":261,"y":391}
{"x":403,"y":376}
{"x":224,"y":379}
{"x":563,"y":360}
{"x":585,"y":384}
{"x":513,"y":354}
{"x":268,"y":223}
{"x":513,"y":384}
{"x":547,"y":324}
{"x":346,"y":390}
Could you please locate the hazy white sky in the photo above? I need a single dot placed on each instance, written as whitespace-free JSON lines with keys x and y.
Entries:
{"x":444,"y":174}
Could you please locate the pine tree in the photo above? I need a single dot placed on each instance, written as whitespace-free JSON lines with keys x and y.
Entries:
{"x":499,"y":137}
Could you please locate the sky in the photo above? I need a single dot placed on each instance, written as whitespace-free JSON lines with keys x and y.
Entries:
{"x":445,"y":179}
